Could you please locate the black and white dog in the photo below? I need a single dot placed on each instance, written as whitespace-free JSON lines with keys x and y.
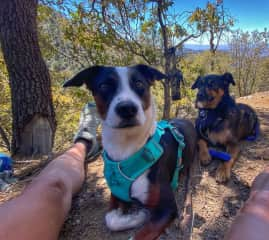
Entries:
{"x":126,"y":108}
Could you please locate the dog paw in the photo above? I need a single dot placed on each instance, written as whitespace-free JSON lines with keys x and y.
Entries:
{"x":117,"y":221}
{"x":205,"y":158}
{"x":222,"y":175}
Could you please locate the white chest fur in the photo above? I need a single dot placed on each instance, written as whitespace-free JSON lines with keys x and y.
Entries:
{"x":140,"y":188}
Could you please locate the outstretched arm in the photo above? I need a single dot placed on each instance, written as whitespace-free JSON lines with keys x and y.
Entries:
{"x":40,"y":211}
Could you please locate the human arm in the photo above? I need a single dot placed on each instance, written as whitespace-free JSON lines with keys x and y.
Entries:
{"x":40,"y":211}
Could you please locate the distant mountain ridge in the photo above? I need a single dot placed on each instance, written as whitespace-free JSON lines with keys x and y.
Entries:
{"x":203,"y":47}
{"x":196,"y":48}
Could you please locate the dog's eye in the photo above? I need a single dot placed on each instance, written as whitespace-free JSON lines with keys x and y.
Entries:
{"x":104,"y":87}
{"x":139,"y":84}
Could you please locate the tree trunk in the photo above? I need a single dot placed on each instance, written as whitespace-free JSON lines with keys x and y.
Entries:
{"x":33,"y":123}
{"x":172,"y":82}
{"x":167,"y":99}
{"x":212,"y":51}
{"x":166,"y":85}
{"x":212,"y":61}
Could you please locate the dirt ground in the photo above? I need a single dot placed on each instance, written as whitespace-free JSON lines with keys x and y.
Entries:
{"x":215,"y":205}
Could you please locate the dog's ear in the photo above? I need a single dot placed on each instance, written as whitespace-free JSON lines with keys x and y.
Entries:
{"x":196,"y":83}
{"x":149,"y":73}
{"x":228,"y":78}
{"x":85,"y":76}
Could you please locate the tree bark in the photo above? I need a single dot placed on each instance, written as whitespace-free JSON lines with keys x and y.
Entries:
{"x":212,"y":51}
{"x":167,"y":99}
{"x":169,"y":56}
{"x":4,"y":136}
{"x":166,"y":84}
{"x":33,"y":123}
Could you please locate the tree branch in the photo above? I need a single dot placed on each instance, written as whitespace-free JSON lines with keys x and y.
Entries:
{"x":187,"y":38}
{"x":128,"y":44}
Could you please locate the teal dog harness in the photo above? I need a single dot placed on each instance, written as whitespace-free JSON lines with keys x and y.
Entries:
{"x":120,"y":175}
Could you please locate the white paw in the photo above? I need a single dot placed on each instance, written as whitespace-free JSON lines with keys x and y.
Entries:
{"x":117,"y":221}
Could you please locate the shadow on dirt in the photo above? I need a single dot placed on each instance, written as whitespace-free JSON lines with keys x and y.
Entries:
{"x":229,"y":209}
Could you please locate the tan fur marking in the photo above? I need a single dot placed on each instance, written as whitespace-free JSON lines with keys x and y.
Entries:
{"x":221,"y":137}
{"x":224,"y":170}
{"x":217,"y":95}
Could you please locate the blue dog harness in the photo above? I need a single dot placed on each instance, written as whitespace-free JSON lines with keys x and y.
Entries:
{"x":120,"y":175}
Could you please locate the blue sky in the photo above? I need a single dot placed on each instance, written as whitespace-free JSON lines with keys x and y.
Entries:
{"x":249,"y":14}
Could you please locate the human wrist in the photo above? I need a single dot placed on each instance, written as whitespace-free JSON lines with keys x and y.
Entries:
{"x":86,"y":143}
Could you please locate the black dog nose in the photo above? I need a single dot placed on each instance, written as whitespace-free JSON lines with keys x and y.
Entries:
{"x":126,"y":109}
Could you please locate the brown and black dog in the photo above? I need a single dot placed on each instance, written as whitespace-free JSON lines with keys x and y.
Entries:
{"x":127,"y":111}
{"x":221,"y":122}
